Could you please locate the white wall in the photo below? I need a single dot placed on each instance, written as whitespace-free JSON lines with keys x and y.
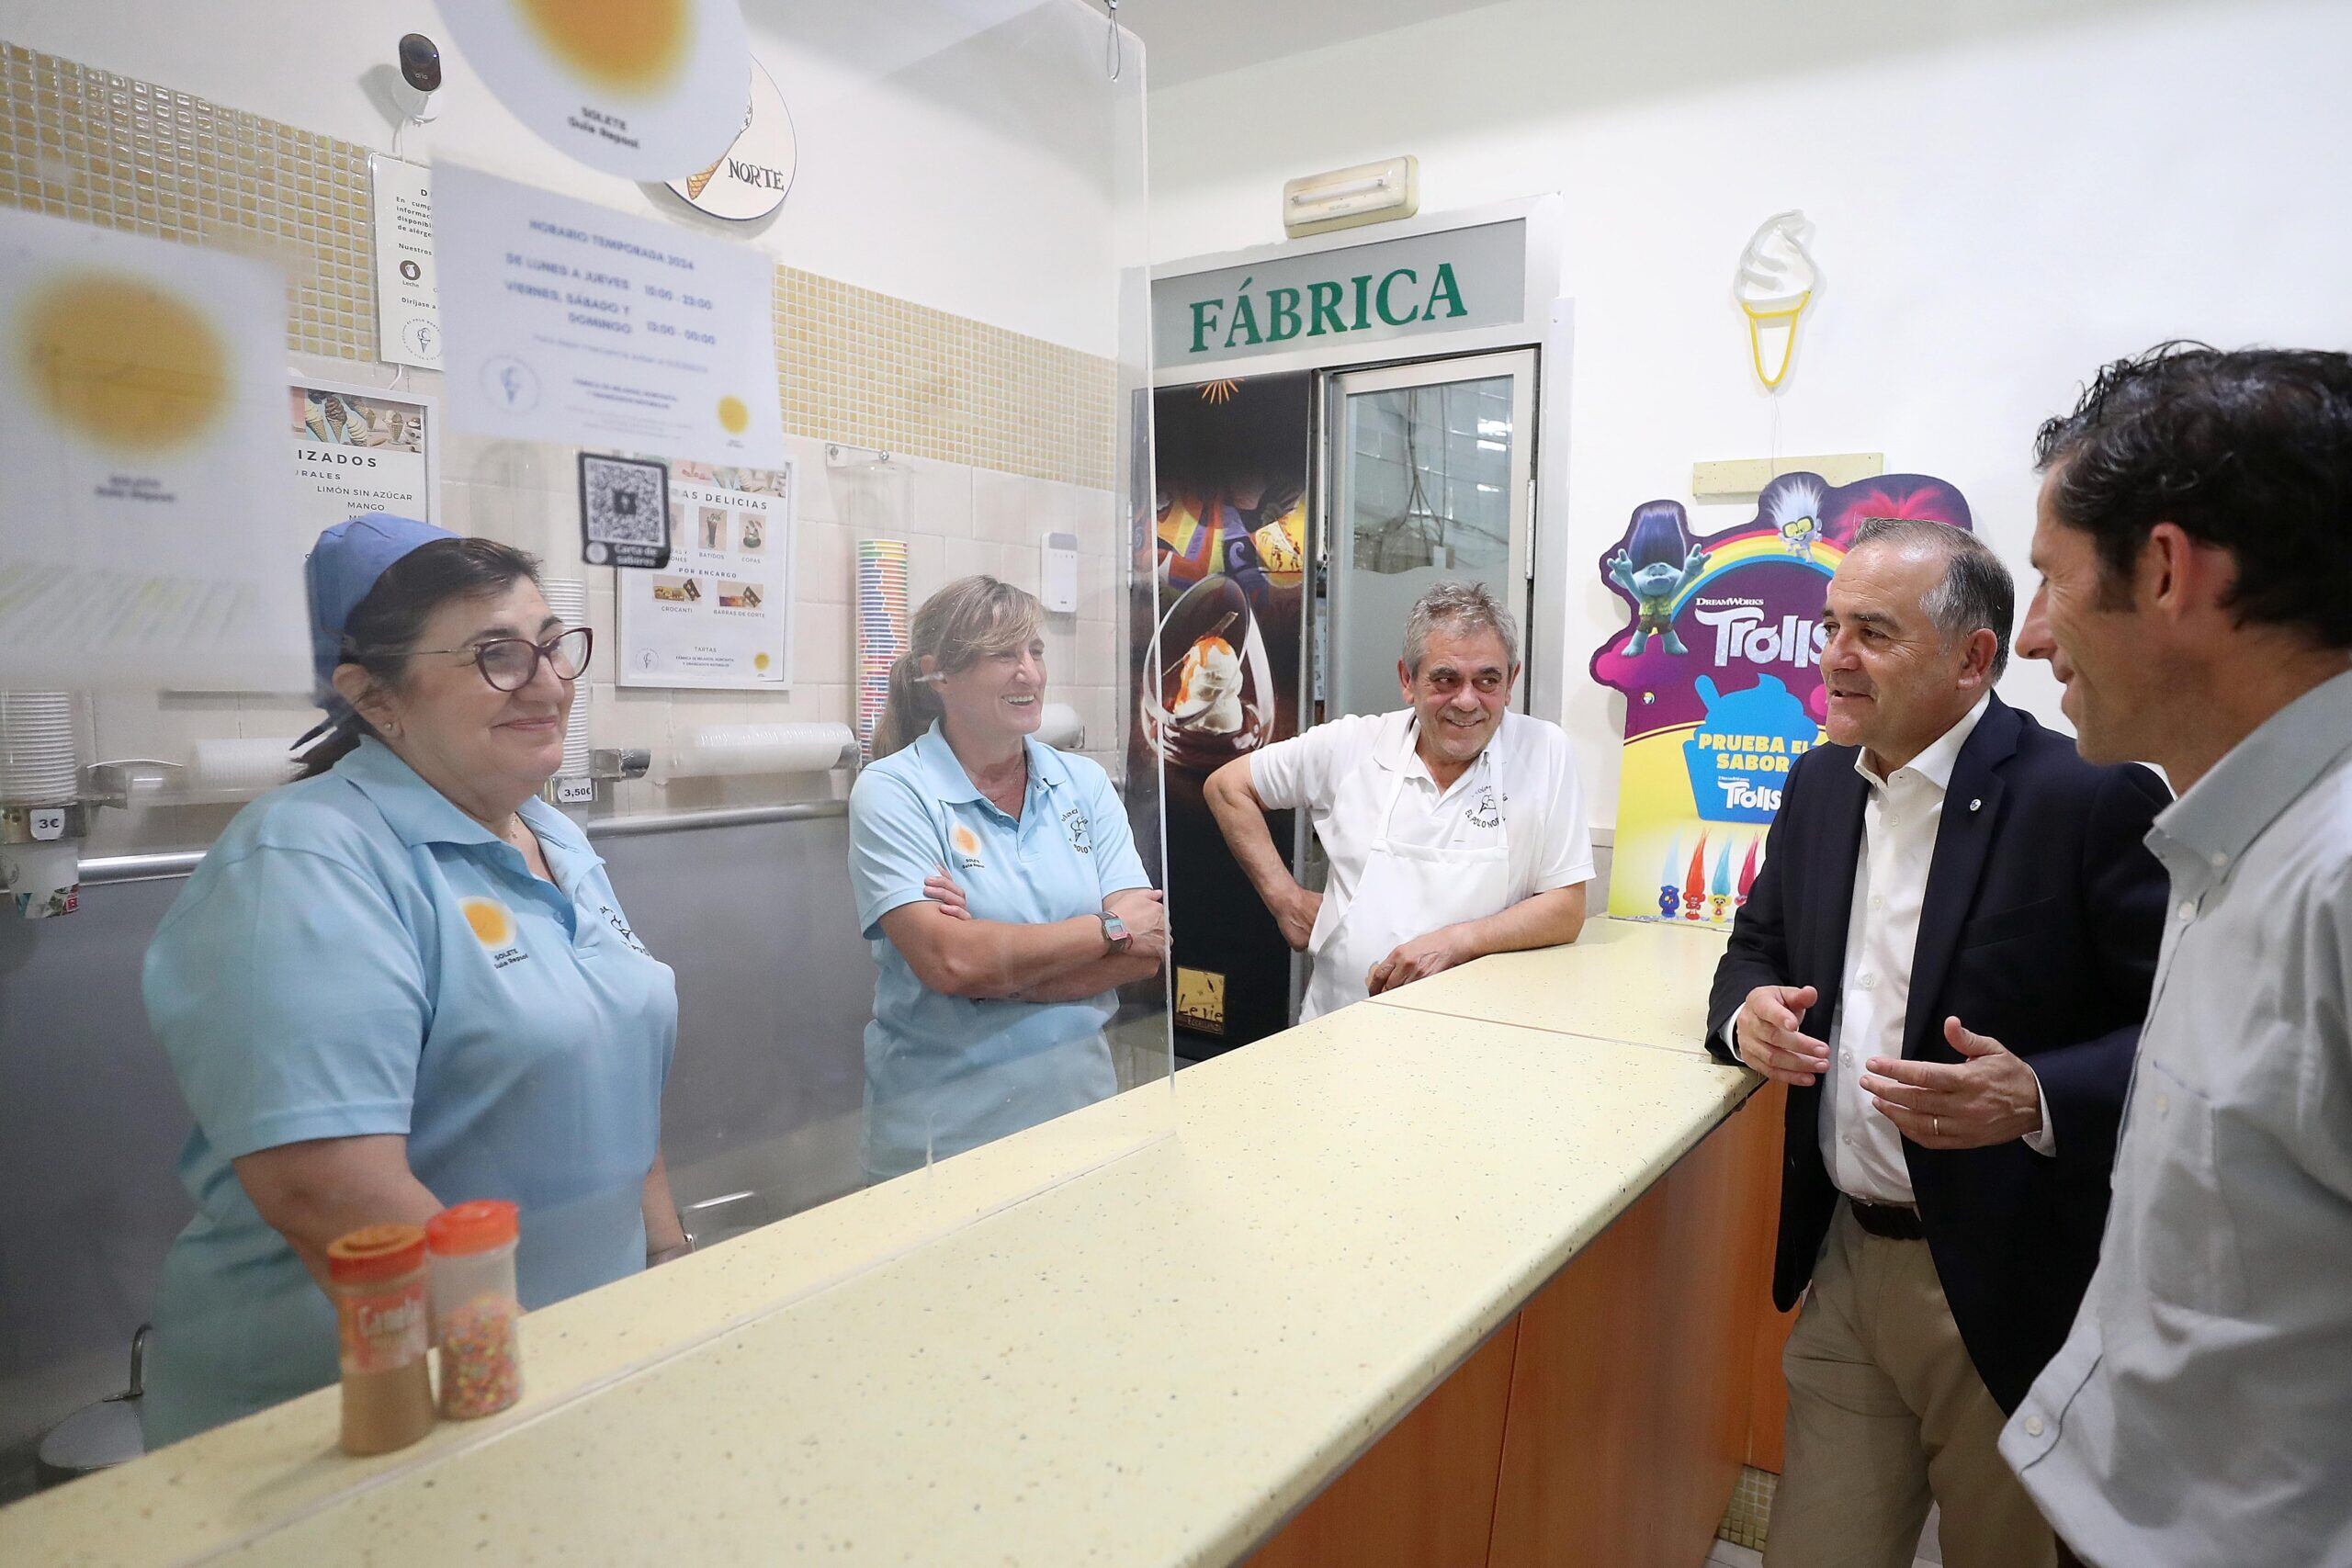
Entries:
{"x":943,"y":155}
{"x":2008,"y":193}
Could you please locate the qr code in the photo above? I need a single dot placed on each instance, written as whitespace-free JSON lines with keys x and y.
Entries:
{"x":624,"y":510}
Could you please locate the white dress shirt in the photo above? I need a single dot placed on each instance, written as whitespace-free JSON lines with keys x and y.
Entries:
{"x":1861,"y":1149}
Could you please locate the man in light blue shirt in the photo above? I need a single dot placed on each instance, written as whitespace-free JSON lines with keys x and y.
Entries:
{"x":2195,"y":543}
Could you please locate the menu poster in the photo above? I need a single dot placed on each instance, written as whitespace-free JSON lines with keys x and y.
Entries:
{"x":571,"y":323}
{"x":147,"y":533}
{"x":719,"y":616}
{"x":650,"y":90}
{"x":361,"y":449}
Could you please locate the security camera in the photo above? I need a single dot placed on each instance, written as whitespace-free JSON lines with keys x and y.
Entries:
{"x":420,"y":70}
{"x":421,"y":62}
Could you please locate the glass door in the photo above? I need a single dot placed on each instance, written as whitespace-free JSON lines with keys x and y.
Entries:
{"x":1431,"y":468}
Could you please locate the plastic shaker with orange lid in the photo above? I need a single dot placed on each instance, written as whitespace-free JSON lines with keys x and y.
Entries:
{"x":376,"y":1275}
{"x":475,"y":1311}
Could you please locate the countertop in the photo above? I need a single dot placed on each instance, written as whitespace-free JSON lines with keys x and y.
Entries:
{"x":1144,"y":1334}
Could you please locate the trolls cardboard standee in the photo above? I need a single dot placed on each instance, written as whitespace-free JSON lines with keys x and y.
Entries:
{"x":1721,"y":675}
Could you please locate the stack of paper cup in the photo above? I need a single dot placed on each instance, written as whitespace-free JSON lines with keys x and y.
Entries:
{"x":568,"y":597}
{"x":881,"y":630}
{"x":39,"y":748}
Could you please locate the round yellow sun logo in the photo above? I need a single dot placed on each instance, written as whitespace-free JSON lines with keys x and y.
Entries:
{"x":734,"y":415}
{"x":127,"y":365}
{"x":632,"y":45}
{"x":967,"y":842}
{"x":491,"y":920}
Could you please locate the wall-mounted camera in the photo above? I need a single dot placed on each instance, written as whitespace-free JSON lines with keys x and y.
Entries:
{"x":420,"y":75}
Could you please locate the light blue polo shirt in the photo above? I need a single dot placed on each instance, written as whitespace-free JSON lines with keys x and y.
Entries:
{"x":945,"y":1074}
{"x":355,"y":955}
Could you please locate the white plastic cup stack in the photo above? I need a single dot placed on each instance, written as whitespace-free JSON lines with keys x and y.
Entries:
{"x":40,"y":762}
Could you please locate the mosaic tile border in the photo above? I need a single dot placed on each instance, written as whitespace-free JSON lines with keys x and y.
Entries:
{"x":1748,"y":1516}
{"x":857,"y":366}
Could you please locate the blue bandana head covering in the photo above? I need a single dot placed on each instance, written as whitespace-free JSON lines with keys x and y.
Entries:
{"x":344,"y":566}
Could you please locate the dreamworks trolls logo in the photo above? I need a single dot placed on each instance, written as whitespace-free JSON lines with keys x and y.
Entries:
{"x":1742,"y":634}
{"x":1740,"y":755}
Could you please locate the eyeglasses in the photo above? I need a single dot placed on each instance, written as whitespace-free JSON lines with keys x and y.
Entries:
{"x":510,"y":663}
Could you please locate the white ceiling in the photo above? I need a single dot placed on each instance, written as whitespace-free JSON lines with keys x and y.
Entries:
{"x":1188,"y":39}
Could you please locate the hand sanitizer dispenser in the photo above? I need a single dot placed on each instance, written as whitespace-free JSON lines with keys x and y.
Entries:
{"x":1058,"y":578}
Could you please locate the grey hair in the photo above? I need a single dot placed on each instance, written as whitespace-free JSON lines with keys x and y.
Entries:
{"x":1976,"y":592}
{"x":1461,"y":609}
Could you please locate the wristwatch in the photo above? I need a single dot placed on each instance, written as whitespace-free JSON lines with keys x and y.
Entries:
{"x":1114,"y":932}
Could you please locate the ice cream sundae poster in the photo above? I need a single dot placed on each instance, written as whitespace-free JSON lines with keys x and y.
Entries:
{"x":1220,"y":560}
{"x":362,"y":450}
{"x":1720,"y":669}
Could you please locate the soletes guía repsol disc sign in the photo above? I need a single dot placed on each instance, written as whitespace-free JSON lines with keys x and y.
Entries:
{"x":749,"y":179}
{"x":646,"y":89}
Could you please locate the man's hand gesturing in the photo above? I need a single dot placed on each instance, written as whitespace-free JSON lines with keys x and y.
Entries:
{"x":1769,"y":1037}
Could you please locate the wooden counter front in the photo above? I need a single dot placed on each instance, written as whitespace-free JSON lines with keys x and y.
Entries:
{"x":1604,"y":1423}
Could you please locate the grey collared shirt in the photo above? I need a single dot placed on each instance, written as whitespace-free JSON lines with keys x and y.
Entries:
{"x":2201,"y":1411}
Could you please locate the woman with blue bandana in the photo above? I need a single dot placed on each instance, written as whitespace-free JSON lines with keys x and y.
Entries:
{"x":999,"y":886}
{"x":403,"y":982}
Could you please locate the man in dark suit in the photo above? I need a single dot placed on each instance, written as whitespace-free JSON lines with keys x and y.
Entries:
{"x":1946,"y":958}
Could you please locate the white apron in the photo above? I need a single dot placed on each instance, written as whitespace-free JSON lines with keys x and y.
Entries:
{"x":1407,"y":890}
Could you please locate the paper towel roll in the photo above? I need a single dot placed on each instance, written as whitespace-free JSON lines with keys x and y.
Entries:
{"x":763,"y":748}
{"x":246,"y":767}
{"x":1060,"y":726}
{"x":568,"y":597}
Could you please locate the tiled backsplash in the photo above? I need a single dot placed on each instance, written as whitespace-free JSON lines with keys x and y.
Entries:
{"x":997,"y":438}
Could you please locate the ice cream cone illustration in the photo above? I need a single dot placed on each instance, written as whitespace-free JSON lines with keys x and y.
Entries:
{"x":695,"y":181}
{"x":1775,"y":282}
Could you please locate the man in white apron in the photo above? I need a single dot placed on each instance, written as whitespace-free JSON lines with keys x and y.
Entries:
{"x":1455,"y":827}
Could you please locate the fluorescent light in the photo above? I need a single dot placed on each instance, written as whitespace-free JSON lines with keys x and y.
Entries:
{"x":1368,"y":193}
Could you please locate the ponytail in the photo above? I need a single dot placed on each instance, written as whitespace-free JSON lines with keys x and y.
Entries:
{"x":909,"y":708}
{"x":969,"y":617}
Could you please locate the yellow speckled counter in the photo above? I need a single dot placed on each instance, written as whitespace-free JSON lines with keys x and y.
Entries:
{"x":1638,"y":981}
{"x":1154,"y":1361}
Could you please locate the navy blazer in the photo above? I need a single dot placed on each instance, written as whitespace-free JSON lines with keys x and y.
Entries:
{"x":2040,"y":928}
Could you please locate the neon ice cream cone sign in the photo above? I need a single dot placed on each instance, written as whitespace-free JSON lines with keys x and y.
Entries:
{"x":1775,"y":282}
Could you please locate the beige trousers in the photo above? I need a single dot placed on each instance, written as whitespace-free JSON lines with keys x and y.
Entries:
{"x":1886,"y":1413}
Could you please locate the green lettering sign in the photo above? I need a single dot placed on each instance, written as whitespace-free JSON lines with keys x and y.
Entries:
{"x":1282,"y":315}
{"x":1204,"y":322}
{"x":1444,"y":288}
{"x":1390,"y":316}
{"x":1323,"y":305}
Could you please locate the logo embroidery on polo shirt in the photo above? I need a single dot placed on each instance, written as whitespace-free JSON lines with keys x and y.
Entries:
{"x":1485,"y":809}
{"x":613,"y":918}
{"x":1081,"y":831}
{"x":966,"y":845}
{"x":494,"y":926}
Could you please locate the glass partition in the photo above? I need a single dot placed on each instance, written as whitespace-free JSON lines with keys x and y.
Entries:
{"x":843,"y":785}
